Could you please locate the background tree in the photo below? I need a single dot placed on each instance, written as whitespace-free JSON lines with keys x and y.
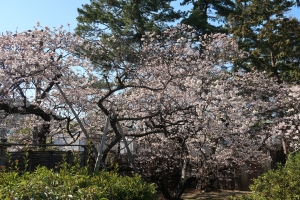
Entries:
{"x":271,"y":38}
{"x":126,"y":20}
{"x":209,"y":16}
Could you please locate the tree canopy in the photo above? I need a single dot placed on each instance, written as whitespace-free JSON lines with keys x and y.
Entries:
{"x":183,"y":112}
{"x":271,"y":38}
{"x":126,"y":20}
{"x":33,"y":64}
{"x":209,"y":16}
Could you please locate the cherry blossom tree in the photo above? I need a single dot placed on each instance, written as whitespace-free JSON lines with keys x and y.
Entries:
{"x":282,"y":130}
{"x":184,"y":111}
{"x":34,"y":64}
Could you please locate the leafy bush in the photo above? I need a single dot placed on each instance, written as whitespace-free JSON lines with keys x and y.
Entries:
{"x":283,"y":183}
{"x":71,"y":182}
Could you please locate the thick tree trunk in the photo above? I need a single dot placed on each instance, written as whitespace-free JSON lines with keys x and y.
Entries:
{"x":167,"y":195}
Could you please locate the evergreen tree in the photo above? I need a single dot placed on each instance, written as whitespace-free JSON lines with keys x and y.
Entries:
{"x":126,"y":20}
{"x":271,"y":38}
{"x":209,"y":16}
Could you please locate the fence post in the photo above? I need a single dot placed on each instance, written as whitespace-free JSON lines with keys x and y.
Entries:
{"x":84,"y":155}
{"x":50,"y":159}
{"x":34,"y":136}
{"x":30,"y":152}
{"x":69,"y":157}
{"x":2,"y":156}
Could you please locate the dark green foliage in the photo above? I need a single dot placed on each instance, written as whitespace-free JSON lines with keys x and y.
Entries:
{"x":129,"y":18}
{"x":283,"y":183}
{"x":209,"y":16}
{"x":126,"y":20}
{"x":73,"y":182}
{"x":271,"y":38}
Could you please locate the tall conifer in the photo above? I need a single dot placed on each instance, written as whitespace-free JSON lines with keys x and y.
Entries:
{"x":126,"y":20}
{"x":272,"y":39}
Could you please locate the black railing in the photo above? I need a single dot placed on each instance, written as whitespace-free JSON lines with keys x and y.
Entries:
{"x":40,"y":157}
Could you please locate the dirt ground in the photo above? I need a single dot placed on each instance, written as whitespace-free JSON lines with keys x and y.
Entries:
{"x":218,"y":195}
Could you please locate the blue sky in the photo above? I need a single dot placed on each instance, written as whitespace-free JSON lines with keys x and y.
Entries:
{"x":22,"y":15}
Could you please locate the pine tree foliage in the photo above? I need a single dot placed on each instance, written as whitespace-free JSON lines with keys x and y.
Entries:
{"x":126,"y":20}
{"x":272,"y":39}
{"x":209,"y":16}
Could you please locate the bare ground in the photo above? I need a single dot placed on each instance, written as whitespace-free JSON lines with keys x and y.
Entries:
{"x":217,"y":195}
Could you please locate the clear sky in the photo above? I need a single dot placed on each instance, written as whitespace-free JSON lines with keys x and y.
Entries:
{"x":22,"y":15}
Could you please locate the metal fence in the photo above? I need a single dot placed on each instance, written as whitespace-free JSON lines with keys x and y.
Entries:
{"x":32,"y":158}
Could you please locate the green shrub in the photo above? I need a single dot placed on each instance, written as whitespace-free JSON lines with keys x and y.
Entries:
{"x":72,"y":183}
{"x":281,"y":184}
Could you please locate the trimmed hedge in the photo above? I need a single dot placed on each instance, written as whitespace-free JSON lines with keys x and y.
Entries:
{"x":283,"y":183}
{"x":71,"y":182}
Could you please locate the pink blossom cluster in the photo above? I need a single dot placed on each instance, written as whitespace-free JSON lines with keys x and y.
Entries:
{"x":173,"y":97}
